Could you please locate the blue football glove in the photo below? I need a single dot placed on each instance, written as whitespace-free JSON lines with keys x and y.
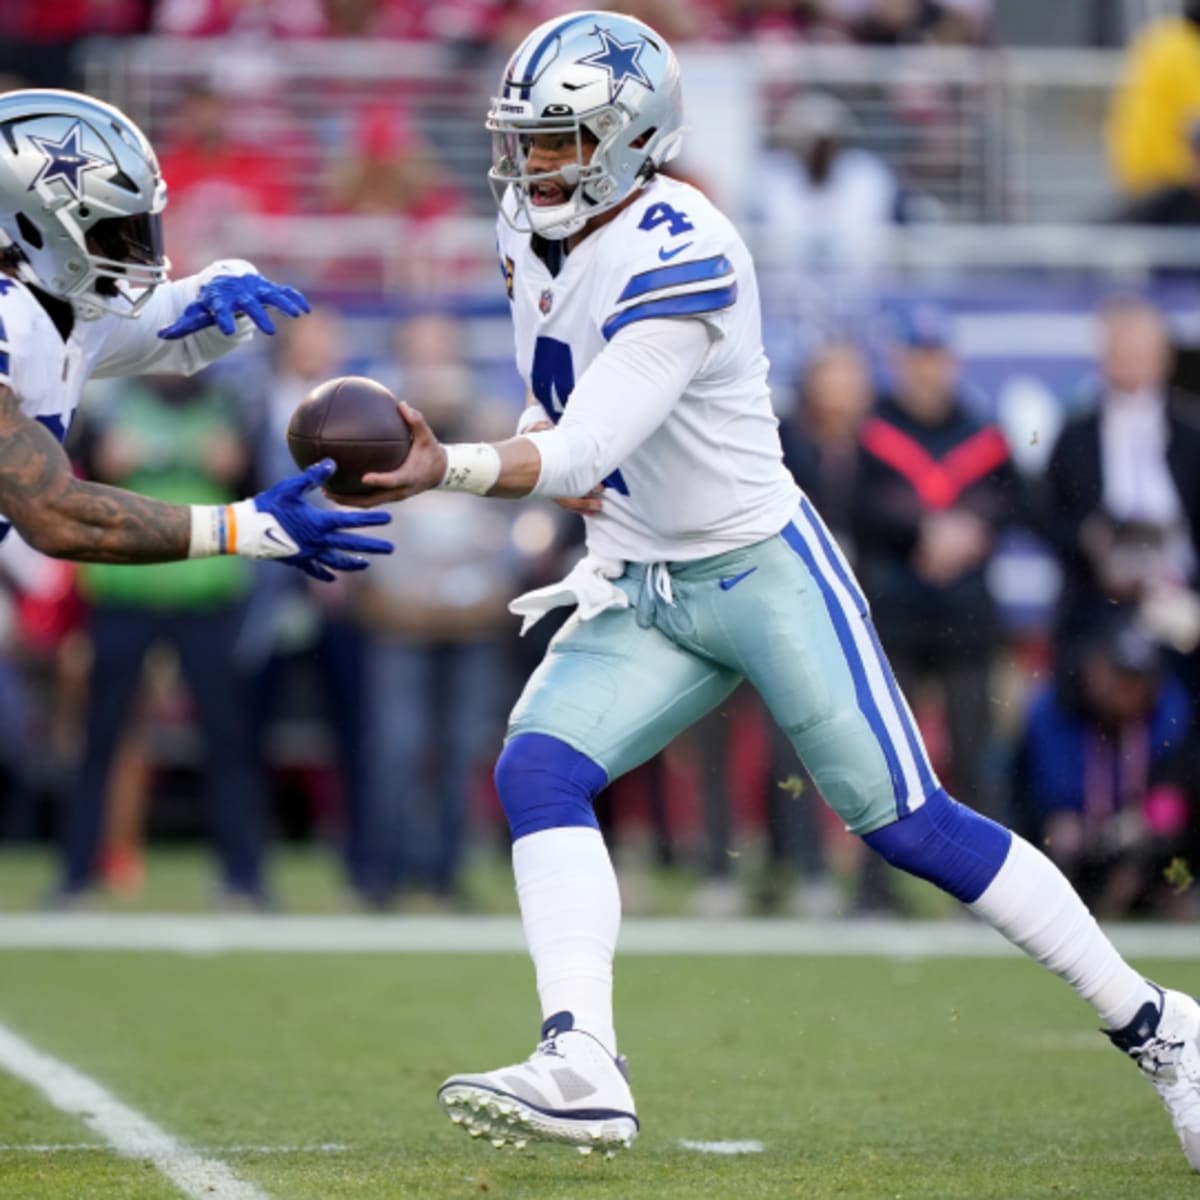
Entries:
{"x":224,"y":297}
{"x":318,"y":532}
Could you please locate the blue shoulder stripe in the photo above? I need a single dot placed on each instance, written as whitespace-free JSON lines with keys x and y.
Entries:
{"x":3,"y":362}
{"x":691,"y":305}
{"x":3,"y":333}
{"x":677,"y":273}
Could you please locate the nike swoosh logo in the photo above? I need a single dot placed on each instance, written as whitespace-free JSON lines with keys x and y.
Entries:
{"x":666,"y":255}
{"x":274,"y":538}
{"x":734,"y":580}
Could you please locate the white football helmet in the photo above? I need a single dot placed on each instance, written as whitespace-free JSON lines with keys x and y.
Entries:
{"x":80,"y":197}
{"x":597,"y":71}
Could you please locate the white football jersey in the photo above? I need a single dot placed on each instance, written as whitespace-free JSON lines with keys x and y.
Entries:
{"x":711,"y":477}
{"x":47,"y":374}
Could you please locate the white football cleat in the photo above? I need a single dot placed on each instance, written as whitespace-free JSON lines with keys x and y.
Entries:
{"x":1164,"y":1041}
{"x":570,"y":1090}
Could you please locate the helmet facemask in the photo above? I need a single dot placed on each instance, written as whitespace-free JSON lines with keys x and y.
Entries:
{"x":105,"y":263}
{"x":592,"y":188}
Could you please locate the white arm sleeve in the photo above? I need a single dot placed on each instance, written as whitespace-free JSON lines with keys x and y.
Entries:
{"x":620,"y":400}
{"x":134,"y":347}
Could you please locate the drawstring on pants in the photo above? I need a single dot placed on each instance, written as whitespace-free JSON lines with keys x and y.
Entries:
{"x":656,"y":585}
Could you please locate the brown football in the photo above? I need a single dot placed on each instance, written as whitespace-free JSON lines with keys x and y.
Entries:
{"x":356,"y":422}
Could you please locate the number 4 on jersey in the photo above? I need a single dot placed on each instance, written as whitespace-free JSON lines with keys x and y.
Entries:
{"x":659,"y":214}
{"x":552,"y":377}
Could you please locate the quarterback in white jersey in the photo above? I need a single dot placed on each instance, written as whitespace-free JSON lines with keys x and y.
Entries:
{"x":710,"y":476}
{"x":637,"y":327}
{"x":85,"y":292}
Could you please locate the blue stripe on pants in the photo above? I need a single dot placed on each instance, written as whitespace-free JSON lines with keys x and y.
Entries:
{"x":867,"y":702}
{"x":929,"y":783}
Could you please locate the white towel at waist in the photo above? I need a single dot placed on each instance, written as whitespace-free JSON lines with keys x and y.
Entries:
{"x":589,"y":586}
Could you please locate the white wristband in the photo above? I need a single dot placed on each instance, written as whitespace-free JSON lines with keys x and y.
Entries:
{"x":471,"y":467}
{"x":238,"y":529}
{"x":210,"y":530}
{"x":531,"y":414}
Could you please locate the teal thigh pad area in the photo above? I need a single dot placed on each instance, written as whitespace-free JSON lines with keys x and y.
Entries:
{"x":785,"y":614}
{"x":810,"y":653}
{"x":616,"y":691}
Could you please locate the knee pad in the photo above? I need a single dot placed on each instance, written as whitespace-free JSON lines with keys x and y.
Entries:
{"x":946,"y":843}
{"x":545,"y":784}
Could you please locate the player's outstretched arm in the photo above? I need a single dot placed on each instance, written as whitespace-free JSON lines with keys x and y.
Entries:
{"x":66,"y":517}
{"x":428,"y":466}
{"x":620,"y":400}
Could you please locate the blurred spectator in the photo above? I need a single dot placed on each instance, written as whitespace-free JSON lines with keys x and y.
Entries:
{"x":39,"y":608}
{"x":392,"y":170}
{"x":909,"y":22}
{"x":460,"y":22}
{"x":1175,"y":204}
{"x":935,"y":487}
{"x":678,"y":20}
{"x":1120,"y":499}
{"x":213,"y":177}
{"x":1156,"y":105}
{"x":820,"y":434}
{"x":178,"y":440}
{"x":464,"y":21}
{"x":826,"y":204}
{"x":1101,"y":769}
{"x":300,"y":640}
{"x":221,"y":18}
{"x":40,"y":39}
{"x":204,"y":164}
{"x":796,"y":20}
{"x":436,"y":688}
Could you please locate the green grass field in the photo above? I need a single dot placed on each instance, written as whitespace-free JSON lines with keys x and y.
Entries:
{"x":313,"y":1077}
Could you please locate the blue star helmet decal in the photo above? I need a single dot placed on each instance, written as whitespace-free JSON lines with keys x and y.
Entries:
{"x":620,"y":60}
{"x":66,"y":160}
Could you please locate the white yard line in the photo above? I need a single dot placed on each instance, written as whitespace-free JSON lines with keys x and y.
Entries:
{"x":126,"y":1130}
{"x":481,"y":935}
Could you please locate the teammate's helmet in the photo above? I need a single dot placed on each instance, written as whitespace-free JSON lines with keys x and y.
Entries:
{"x":81,"y":196}
{"x":601,"y":72}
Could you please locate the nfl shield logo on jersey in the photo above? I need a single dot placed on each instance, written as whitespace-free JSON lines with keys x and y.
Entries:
{"x":546,"y":301}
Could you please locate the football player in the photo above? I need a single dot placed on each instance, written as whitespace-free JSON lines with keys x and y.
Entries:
{"x":637,"y":329}
{"x":85,"y":292}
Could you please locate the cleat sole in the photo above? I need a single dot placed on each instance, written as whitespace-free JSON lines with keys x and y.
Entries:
{"x":508,"y":1121}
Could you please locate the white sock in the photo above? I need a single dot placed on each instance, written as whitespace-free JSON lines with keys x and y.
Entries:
{"x":571,"y":911}
{"x":1033,"y":905}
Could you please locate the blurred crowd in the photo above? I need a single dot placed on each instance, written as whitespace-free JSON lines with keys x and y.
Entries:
{"x":242,"y":703}
{"x":476,"y":24}
{"x":247,"y":702}
{"x":239,"y":137}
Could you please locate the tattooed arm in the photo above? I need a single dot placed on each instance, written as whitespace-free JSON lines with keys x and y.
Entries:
{"x":65,"y":517}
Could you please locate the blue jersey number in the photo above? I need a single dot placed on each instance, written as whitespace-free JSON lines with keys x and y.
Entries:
{"x":553,"y":379}
{"x":658,"y":214}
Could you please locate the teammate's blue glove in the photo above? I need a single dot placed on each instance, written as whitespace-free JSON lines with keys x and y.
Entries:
{"x":318,"y":544}
{"x":224,"y":297}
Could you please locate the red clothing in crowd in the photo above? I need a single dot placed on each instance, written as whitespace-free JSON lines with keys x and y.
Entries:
{"x":413,"y":20}
{"x":249,"y":173}
{"x":61,"y":20}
